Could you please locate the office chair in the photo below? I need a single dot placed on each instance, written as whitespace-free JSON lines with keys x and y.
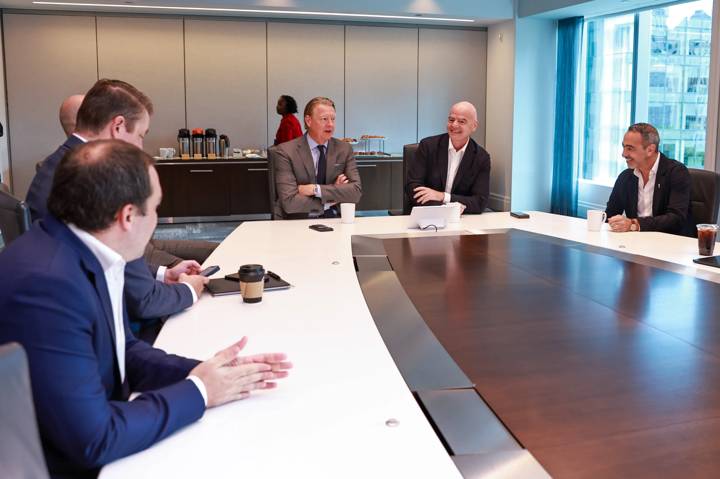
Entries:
{"x":14,"y":217}
{"x":704,"y":195}
{"x":21,"y":455}
{"x":271,"y":182}
{"x":408,"y":156}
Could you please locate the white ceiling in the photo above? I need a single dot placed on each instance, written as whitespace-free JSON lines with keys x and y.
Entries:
{"x":482,"y":12}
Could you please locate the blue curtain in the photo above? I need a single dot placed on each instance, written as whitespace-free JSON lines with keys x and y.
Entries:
{"x":565,"y":169}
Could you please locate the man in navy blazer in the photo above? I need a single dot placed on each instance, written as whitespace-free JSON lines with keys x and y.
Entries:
{"x":116,"y":109}
{"x":451,"y":167}
{"x":653,"y":192}
{"x":64,"y":305}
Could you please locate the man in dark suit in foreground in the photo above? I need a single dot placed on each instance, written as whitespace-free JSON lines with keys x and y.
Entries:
{"x":64,"y":305}
{"x":451,"y":167}
{"x":653,"y":192}
{"x":315,"y":172}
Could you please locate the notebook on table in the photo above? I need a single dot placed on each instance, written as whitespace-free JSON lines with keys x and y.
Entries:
{"x":225,"y":286}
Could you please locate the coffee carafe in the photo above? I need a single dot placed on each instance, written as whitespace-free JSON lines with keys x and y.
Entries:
{"x":210,"y":143}
{"x":184,"y":143}
{"x":198,"y":140}
{"x":224,"y":146}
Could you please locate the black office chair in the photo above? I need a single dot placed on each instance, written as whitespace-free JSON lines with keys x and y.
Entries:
{"x":21,"y":454}
{"x":704,"y":195}
{"x":271,"y":183}
{"x":14,"y":217}
{"x":408,"y":156}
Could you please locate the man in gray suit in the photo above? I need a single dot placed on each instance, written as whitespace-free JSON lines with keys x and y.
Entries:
{"x":315,"y":172}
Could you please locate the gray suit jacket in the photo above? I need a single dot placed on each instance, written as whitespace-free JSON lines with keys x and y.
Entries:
{"x":293,"y":164}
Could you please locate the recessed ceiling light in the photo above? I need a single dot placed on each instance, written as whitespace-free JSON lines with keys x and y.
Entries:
{"x":256,"y":11}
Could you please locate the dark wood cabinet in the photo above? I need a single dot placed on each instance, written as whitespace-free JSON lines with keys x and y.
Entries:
{"x":375,"y":178}
{"x":201,"y":190}
{"x":249,"y":189}
{"x":239,"y":189}
{"x":382,"y":183}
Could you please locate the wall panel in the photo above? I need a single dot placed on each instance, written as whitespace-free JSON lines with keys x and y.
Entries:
{"x":452,"y":67}
{"x":381,"y":83}
{"x":148,"y":53}
{"x":225,"y":72}
{"x":305,"y":61}
{"x":47,"y":58}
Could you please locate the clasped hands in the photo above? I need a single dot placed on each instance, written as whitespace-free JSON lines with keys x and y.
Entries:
{"x":423,"y":195}
{"x":309,"y":190}
{"x":619,"y":224}
{"x":228,"y":377}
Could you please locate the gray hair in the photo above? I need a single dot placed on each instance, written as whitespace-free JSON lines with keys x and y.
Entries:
{"x":649,"y":133}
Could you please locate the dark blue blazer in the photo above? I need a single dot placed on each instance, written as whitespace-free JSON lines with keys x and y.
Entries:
{"x":39,"y":190}
{"x":146,"y":298}
{"x":54,"y":301}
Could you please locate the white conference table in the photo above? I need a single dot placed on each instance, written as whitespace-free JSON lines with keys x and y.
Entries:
{"x":328,"y":418}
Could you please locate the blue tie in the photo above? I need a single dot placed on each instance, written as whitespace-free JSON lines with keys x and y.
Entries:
{"x":322,"y":166}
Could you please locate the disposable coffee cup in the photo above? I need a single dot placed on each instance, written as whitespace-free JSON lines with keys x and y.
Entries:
{"x":707,"y":234}
{"x":595,"y":219}
{"x":252,"y":282}
{"x":347,"y":212}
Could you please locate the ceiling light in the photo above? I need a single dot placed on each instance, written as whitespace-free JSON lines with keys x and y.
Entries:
{"x":256,"y":11}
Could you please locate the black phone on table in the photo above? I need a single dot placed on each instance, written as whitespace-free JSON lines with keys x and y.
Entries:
{"x":320,"y":228}
{"x":520,"y":215}
{"x":713,"y":261}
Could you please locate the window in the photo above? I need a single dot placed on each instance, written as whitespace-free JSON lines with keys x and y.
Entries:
{"x":651,"y":66}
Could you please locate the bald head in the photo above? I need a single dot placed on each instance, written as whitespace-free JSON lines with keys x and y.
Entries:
{"x":466,"y":109}
{"x":68,"y":113}
{"x":462,"y":122}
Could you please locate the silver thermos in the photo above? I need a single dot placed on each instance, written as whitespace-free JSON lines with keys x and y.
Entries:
{"x":224,"y":146}
{"x":184,"y":143}
{"x":198,"y":140}
{"x":210,"y":143}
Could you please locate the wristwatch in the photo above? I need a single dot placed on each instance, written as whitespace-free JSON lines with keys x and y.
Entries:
{"x":634,"y":225}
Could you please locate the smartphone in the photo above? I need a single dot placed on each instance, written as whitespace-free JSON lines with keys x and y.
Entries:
{"x":209,"y":271}
{"x":713,"y":261}
{"x":520,"y":215}
{"x":320,"y":228}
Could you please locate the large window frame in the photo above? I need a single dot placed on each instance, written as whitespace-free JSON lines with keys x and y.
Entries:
{"x":592,"y":193}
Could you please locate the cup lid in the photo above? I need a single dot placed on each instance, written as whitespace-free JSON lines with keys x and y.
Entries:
{"x":707,"y":226}
{"x":251,"y":268}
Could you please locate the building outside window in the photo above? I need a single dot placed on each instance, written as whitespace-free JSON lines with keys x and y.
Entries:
{"x":650,"y":66}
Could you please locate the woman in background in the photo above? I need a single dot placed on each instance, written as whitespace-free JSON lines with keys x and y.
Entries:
{"x":289,"y":128}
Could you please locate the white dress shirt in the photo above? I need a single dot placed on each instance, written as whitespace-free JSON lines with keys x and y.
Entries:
{"x":113,"y":266}
{"x":646,"y":190}
{"x":454,"y":159}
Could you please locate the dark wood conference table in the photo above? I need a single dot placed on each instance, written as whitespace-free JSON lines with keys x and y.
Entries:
{"x":600,"y":364}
